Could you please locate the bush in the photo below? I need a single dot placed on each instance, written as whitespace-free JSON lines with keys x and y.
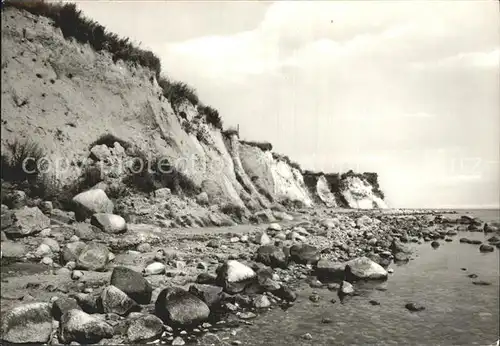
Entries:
{"x":158,"y":174}
{"x":109,"y":141}
{"x":264,"y":146}
{"x":178,"y":92}
{"x":22,"y":162}
{"x":233,"y":210}
{"x":287,"y":160}
{"x":211,"y":116}
{"x":73,"y":24}
{"x":231,"y":131}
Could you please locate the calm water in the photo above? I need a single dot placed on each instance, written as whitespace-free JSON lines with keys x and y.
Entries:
{"x":457,"y":312}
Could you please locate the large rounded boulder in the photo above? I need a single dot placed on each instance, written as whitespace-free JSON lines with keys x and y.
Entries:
{"x":177,"y":307}
{"x":132,"y":283}
{"x":365,"y":269}
{"x":234,"y":276}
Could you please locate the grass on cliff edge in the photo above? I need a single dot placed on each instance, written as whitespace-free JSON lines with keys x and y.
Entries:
{"x":72,"y":23}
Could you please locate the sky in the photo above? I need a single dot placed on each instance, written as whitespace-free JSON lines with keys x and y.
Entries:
{"x":409,"y":90}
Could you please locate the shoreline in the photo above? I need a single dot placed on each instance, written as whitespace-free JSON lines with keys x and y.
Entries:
{"x":191,"y":257}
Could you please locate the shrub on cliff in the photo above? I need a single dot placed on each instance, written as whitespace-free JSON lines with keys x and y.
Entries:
{"x":22,"y":161}
{"x":286,"y":159}
{"x":211,"y":115}
{"x":264,"y":146}
{"x":73,"y":24}
{"x":177,"y":92}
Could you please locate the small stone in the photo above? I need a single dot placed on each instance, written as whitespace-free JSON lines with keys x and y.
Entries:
{"x":144,"y":247}
{"x":47,"y":261}
{"x":178,"y":341}
{"x":314,"y":298}
{"x":307,"y":336}
{"x":155,"y":268}
{"x":76,"y":274}
{"x":326,"y":320}
{"x":374,"y":302}
{"x":247,"y":315}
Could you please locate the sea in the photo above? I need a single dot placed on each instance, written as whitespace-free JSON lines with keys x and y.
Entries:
{"x":457,"y":312}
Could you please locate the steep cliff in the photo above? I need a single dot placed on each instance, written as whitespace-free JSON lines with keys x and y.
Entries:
{"x":77,"y":102}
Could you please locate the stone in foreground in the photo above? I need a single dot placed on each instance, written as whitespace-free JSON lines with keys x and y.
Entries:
{"x":24,"y":222}
{"x":177,"y":307}
{"x":132,"y":283}
{"x":92,"y":202}
{"x":29,"y":323}
{"x":83,"y":328}
{"x":144,"y":328}
{"x":109,"y":223}
{"x":116,"y":301}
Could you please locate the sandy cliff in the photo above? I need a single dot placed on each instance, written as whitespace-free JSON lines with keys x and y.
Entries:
{"x":64,"y":95}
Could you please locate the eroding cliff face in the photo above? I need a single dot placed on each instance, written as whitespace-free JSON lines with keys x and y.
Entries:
{"x":358,"y":193}
{"x":65,"y":96}
{"x":324,"y":193}
{"x":274,"y":178}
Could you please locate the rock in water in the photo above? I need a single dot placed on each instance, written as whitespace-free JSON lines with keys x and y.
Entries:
{"x":83,"y":328}
{"x":177,"y":307}
{"x":234,"y":276}
{"x":144,"y":328}
{"x":272,"y":256}
{"x":414,"y":307}
{"x":346,"y":289}
{"x":329,"y":270}
{"x":92,"y":202}
{"x":304,"y":254}
{"x":132,"y":283}
{"x":116,"y":301}
{"x":486,"y":248}
{"x":364,"y":268}
{"x":29,"y":323}
{"x":94,"y":256}
{"x":435,"y":244}
{"x":24,"y":222}
{"x":12,"y":250}
{"x":109,"y":223}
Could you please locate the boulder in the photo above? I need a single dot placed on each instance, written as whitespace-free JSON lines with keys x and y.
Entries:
{"x":211,"y":295}
{"x":261,"y":302}
{"x":89,"y":303}
{"x":144,"y":328}
{"x":265,"y":281}
{"x":272,"y":256}
{"x":346,"y":288}
{"x":234,"y":276}
{"x":486,"y":248}
{"x":62,"y":305}
{"x":274,"y":227}
{"x":94,"y":256}
{"x":262,"y":239}
{"x":71,"y":252}
{"x":109,"y":223}
{"x":83,"y":328}
{"x":91,"y":202}
{"x":116,"y":301}
{"x":63,"y":216}
{"x":286,"y":293}
{"x":24,"y":222}
{"x":177,"y":307}
{"x":304,"y":254}
{"x":330,"y":270}
{"x":13,"y":250}
{"x":132,"y":283}
{"x":364,"y":268}
{"x":29,"y":323}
